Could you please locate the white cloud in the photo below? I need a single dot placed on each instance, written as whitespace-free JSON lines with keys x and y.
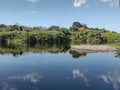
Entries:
{"x":32,"y":77}
{"x":106,"y":0}
{"x":6,"y":86}
{"x":32,"y":1}
{"x":112,"y":78}
{"x":111,"y":2}
{"x":34,"y":12}
{"x":80,"y":75}
{"x":78,"y":3}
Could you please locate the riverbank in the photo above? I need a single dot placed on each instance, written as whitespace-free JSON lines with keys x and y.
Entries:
{"x":96,"y":48}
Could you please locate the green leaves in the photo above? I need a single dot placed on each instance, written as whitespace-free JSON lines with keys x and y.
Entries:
{"x":78,"y":33}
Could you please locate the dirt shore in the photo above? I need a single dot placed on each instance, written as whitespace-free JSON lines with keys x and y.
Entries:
{"x":102,"y":48}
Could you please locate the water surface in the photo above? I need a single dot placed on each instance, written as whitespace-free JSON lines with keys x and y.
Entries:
{"x":51,"y":71}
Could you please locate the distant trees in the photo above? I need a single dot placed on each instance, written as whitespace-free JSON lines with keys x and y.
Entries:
{"x":2,"y":25}
{"x":78,"y":24}
{"x":77,"y":34}
{"x":74,"y":29}
{"x":81,"y":34}
{"x":39,"y":28}
{"x":16,"y":27}
{"x":54,"y":27}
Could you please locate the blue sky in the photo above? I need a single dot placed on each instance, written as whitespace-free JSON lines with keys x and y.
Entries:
{"x":94,"y":13}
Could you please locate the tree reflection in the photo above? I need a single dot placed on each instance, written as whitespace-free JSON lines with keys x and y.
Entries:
{"x":117,"y":54}
{"x":76,"y":54}
{"x":20,"y":49}
{"x":17,"y":50}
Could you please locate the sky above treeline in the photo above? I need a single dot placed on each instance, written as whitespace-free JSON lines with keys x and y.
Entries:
{"x":94,"y":13}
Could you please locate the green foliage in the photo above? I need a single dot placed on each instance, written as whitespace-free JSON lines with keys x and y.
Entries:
{"x":78,"y":24}
{"x":74,"y":29}
{"x":112,"y":37}
{"x":54,"y":28}
{"x":77,"y":34}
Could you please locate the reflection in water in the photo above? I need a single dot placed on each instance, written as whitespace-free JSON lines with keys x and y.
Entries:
{"x":17,"y":50}
{"x":77,"y":74}
{"x":112,"y":78}
{"x":49,"y":72}
{"x":32,"y":77}
{"x":117,"y":52}
{"x":6,"y":86}
{"x":77,"y":54}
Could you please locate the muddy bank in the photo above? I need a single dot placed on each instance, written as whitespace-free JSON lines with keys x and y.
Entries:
{"x":93,"y":48}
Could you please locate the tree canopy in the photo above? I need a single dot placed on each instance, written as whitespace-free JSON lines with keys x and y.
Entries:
{"x":78,"y":33}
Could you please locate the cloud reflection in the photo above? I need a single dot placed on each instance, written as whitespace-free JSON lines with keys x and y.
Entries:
{"x":6,"y":86}
{"x":32,"y":77}
{"x":80,"y":75}
{"x":112,"y":78}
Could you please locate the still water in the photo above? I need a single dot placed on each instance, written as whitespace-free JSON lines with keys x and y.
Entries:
{"x":50,"y":71}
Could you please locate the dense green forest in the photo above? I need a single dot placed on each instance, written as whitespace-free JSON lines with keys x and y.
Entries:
{"x":78,"y":33}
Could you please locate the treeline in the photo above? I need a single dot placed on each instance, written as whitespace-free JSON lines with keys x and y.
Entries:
{"x":77,"y":34}
{"x":16,"y":34}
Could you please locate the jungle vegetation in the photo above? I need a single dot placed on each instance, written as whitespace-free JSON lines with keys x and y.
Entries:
{"x":78,"y":33}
